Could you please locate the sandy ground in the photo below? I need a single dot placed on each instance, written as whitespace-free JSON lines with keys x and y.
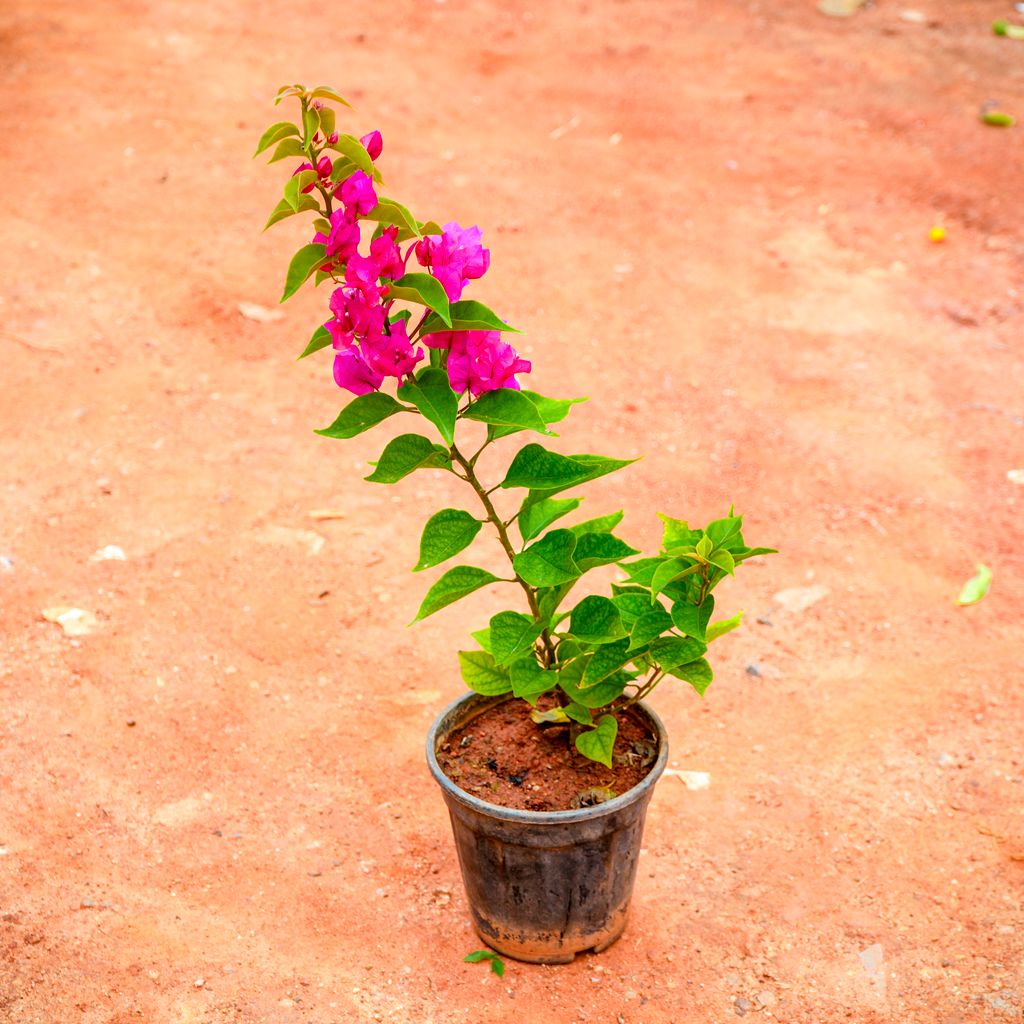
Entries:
{"x":712,"y":218}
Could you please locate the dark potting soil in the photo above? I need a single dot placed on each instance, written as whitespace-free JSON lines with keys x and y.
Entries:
{"x":502,"y":756}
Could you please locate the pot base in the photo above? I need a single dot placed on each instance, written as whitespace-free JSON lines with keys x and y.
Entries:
{"x":530,"y":954}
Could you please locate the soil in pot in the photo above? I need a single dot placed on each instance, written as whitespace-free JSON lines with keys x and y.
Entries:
{"x":502,"y":756}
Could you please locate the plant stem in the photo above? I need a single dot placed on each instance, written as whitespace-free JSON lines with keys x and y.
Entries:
{"x":499,"y":526}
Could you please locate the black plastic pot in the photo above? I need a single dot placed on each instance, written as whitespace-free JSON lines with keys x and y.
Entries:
{"x":545,"y":885}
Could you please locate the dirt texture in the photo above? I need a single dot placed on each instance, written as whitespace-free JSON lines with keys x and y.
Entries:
{"x":712,"y":218}
{"x":502,"y":757}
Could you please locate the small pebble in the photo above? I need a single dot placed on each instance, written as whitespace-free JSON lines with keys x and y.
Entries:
{"x":200,"y":982}
{"x":743,"y":1006}
{"x":86,"y":904}
{"x":753,"y":670}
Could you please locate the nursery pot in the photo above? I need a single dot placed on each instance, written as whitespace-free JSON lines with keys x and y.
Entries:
{"x":545,"y":885}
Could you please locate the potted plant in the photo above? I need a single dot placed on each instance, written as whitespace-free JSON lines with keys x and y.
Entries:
{"x":548,"y":764}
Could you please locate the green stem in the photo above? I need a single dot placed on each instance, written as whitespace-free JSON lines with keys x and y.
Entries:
{"x":499,"y":526}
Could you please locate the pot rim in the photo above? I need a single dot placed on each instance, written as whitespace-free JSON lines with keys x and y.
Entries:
{"x":639,"y":791}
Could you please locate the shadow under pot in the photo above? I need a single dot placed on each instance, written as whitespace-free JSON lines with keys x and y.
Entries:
{"x":543,"y":886}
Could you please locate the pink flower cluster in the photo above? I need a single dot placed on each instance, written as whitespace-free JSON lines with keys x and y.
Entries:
{"x":368,"y":345}
{"x":479,"y":360}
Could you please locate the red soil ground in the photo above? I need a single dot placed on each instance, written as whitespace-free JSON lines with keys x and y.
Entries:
{"x":710,"y":217}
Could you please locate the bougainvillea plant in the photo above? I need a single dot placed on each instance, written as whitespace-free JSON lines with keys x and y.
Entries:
{"x":406,"y":342}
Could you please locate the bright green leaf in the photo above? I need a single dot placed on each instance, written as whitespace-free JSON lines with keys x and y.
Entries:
{"x":293,"y":188}
{"x":468,"y":315}
{"x":432,"y":394}
{"x":602,"y":524}
{"x":421,"y":288}
{"x":604,"y":661}
{"x":355,"y":151}
{"x":548,"y":561}
{"x":594,"y":549}
{"x":445,"y":534}
{"x":539,"y":469}
{"x":722,"y":559}
{"x":321,"y":339}
{"x":532,"y":519}
{"x":717,"y":629}
{"x":275,"y":133}
{"x":976,"y":587}
{"x":405,"y":454}
{"x":287,"y":149}
{"x":506,"y":408}
{"x":677,"y":534}
{"x":551,"y":410}
{"x":579,"y":713}
{"x":483,"y":638}
{"x":303,"y":263}
{"x":325,"y":92}
{"x":669,"y":570}
{"x":671,"y":651}
{"x":388,"y":211}
{"x":284,"y":209}
{"x":361,"y":414}
{"x":649,"y":626}
{"x":596,"y":620}
{"x":530,"y":680}
{"x":512,"y":635}
{"x":693,"y":619}
{"x":481,"y":674}
{"x":697,"y":673}
{"x":454,"y":585}
{"x":598,"y":743}
{"x":598,"y":696}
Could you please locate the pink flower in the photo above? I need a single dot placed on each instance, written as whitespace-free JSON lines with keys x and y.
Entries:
{"x":391,"y":354}
{"x":354,"y":314}
{"x":373,"y":144}
{"x":357,"y":193}
{"x":353,"y":374}
{"x":386,"y":256}
{"x":361,"y":274}
{"x":343,"y":241}
{"x":481,"y":361}
{"x":439,"y":339}
{"x":323,"y":171}
{"x":455,"y":258}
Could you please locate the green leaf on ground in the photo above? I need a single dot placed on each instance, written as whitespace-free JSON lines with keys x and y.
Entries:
{"x":976,"y":587}
{"x":497,"y":965}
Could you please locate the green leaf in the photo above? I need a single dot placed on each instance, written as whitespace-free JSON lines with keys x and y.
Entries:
{"x":327,"y":121}
{"x":998,"y":119}
{"x":361,"y":414}
{"x":354,"y":150}
{"x":697,"y":673}
{"x":530,"y":680}
{"x":536,"y":468}
{"x":596,"y":620}
{"x":554,"y":715}
{"x":275,"y":133}
{"x":342,"y":169}
{"x":671,"y":651}
{"x":454,"y":585}
{"x":325,"y":92}
{"x":552,"y":410}
{"x":445,"y":534}
{"x":649,"y":626}
{"x":548,"y":561}
{"x":744,"y":553}
{"x":669,"y":570}
{"x":296,"y":183}
{"x":506,"y":408}
{"x":722,"y":559}
{"x":481,"y":674}
{"x":976,"y":587}
{"x":693,"y":619}
{"x":579,"y":713}
{"x":595,"y":466}
{"x":303,"y":263}
{"x":717,"y":629}
{"x":725,"y":533}
{"x":310,"y":124}
{"x":468,"y":315}
{"x":513,"y":635}
{"x":594,"y":549}
{"x":604,"y":661}
{"x":677,"y":534}
{"x":598,"y":743}
{"x":284,"y":209}
{"x":602,"y":524}
{"x":421,"y":288}
{"x":598,"y":696}
{"x":405,"y":454}
{"x":287,"y":148}
{"x":549,"y":598}
{"x":632,"y":603}
{"x":432,"y":394}
{"x":388,"y":211}
{"x":321,"y":339}
{"x":642,"y":570}
{"x":532,"y":519}
{"x":483,"y":638}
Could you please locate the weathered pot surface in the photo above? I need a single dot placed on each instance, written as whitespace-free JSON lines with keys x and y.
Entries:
{"x":545,"y":885}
